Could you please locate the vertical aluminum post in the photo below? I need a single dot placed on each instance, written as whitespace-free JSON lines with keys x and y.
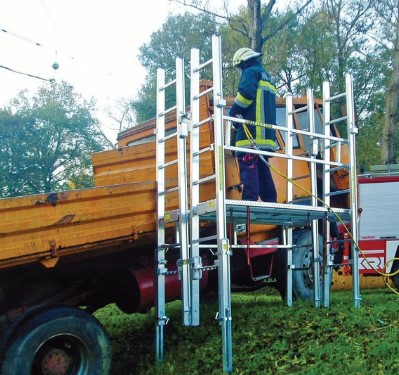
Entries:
{"x":182,"y":134}
{"x":288,"y":238}
{"x":313,"y":181}
{"x":326,"y":191}
{"x":194,"y":187}
{"x":160,"y":251}
{"x":352,"y":131}
{"x":224,"y":315}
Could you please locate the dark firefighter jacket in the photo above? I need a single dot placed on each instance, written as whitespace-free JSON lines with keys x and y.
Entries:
{"x":256,"y":101}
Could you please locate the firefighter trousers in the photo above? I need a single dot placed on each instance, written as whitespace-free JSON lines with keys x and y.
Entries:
{"x":256,"y":179}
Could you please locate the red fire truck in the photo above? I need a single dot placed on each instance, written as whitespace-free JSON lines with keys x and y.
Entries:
{"x":379,"y":222}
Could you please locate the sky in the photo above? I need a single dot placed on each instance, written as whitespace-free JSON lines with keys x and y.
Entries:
{"x":95,"y":43}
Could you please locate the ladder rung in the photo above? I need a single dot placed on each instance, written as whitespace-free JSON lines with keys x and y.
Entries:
{"x":203,"y":239}
{"x":338,"y":192}
{"x":205,"y":179}
{"x":207,"y":246}
{"x":203,"y":65}
{"x":203,"y":150}
{"x":298,"y":110}
{"x":252,"y":246}
{"x":169,"y":136}
{"x":336,"y":144}
{"x":171,"y":109}
{"x":198,"y":124}
{"x":334,"y":169}
{"x":172,"y":162}
{"x":170,"y":83}
{"x":343,"y":118}
{"x":205,"y":92}
{"x":331,"y":98}
{"x":166,"y":191}
{"x":170,"y":245}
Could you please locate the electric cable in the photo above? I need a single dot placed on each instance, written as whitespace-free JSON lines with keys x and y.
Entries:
{"x":22,"y":37}
{"x":50,"y":18}
{"x":27,"y":74}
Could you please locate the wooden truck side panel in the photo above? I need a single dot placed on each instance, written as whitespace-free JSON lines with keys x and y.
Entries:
{"x":47,"y":226}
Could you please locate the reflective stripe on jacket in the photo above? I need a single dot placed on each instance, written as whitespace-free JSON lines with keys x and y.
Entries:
{"x":256,"y":101}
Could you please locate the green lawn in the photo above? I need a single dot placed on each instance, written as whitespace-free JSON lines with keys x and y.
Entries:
{"x":268,"y":337}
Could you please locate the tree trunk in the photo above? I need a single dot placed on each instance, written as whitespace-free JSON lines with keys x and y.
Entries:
{"x":255,"y":24}
{"x":391,"y":123}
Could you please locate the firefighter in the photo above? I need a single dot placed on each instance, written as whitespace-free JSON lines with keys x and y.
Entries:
{"x":255,"y":101}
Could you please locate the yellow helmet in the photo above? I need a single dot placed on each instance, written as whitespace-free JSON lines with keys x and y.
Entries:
{"x":244,"y":54}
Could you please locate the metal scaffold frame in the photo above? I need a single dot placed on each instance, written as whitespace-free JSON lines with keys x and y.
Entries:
{"x":182,"y":221}
{"x":192,"y":212}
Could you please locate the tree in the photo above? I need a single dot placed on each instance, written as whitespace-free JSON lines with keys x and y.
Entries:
{"x":14,"y":134}
{"x":307,"y":44}
{"x":47,"y":141}
{"x":175,"y":39}
{"x":388,"y":38}
{"x":391,"y":123}
{"x":252,"y":27}
{"x":122,"y":114}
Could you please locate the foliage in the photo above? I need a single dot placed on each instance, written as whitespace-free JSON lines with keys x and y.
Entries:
{"x":14,"y":137}
{"x":178,"y":35}
{"x":46,"y":141}
{"x":303,"y":46}
{"x":268,"y":337}
{"x":388,"y":37}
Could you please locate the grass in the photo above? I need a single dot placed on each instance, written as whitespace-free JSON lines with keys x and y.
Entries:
{"x":268,"y":337}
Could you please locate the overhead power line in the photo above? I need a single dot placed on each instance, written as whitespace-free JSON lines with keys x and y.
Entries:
{"x":26,"y":74}
{"x":50,"y":19}
{"x":22,"y":38}
{"x":33,"y":42}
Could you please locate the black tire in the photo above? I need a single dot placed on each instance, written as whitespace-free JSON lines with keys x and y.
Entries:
{"x":280,"y":272}
{"x":302,"y":257}
{"x":57,"y":340}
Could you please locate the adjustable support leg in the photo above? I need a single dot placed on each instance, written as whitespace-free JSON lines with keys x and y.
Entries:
{"x":288,"y":238}
{"x":316,"y":263}
{"x":160,"y":305}
{"x":224,"y":314}
{"x":326,"y":263}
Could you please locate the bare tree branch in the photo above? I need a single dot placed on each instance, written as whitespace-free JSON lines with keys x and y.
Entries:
{"x":198,"y":6}
{"x":283,"y":24}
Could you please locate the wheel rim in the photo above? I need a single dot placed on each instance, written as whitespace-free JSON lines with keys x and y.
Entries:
{"x":61,"y":355}
{"x":308,"y":273}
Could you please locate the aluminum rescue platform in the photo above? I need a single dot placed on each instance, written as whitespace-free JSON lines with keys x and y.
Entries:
{"x":222,"y":211}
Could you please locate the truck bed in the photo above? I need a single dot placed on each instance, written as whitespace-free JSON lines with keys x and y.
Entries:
{"x":48,"y":226}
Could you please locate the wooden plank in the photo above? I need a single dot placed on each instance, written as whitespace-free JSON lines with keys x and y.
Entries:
{"x":50,"y":224}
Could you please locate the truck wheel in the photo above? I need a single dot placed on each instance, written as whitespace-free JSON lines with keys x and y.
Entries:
{"x":302,"y":257}
{"x":57,"y":340}
{"x":279,"y":272}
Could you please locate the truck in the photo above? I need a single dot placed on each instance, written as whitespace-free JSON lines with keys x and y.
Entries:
{"x":378,"y":223}
{"x":64,"y":255}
